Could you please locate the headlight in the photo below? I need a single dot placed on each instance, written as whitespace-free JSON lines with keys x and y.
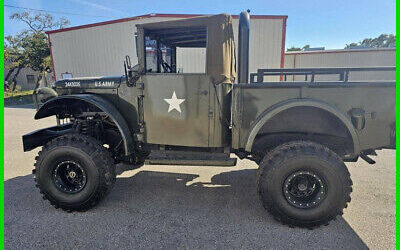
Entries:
{"x":42,"y":95}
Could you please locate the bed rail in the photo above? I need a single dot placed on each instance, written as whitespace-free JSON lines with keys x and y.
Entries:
{"x":310,"y":73}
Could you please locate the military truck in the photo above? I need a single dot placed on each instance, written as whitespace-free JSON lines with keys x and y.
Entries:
{"x":300,"y":132}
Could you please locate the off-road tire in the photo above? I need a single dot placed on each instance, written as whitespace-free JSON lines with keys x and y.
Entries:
{"x":281,"y":162}
{"x":93,"y":158}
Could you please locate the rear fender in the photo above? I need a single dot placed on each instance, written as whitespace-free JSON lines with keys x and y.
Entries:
{"x":274,"y":110}
{"x":58,"y":104}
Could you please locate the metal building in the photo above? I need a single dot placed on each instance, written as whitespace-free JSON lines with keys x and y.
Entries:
{"x":26,"y":79}
{"x":99,"y":49}
{"x":344,"y":58}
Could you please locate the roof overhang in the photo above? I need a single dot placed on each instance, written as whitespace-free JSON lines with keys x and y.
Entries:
{"x":328,"y":51}
{"x":156,"y":15}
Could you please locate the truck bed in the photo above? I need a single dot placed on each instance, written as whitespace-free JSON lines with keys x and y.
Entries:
{"x":377,"y":99}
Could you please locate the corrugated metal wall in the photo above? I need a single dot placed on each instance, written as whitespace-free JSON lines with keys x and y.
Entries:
{"x":100,"y":50}
{"x":191,"y":60}
{"x":265,"y":43}
{"x":344,"y":58}
{"x":265,"y":47}
{"x":95,"y":51}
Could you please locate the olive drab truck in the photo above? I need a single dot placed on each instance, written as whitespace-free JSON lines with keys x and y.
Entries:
{"x":300,"y":133}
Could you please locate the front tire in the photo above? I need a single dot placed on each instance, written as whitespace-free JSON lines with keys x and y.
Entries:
{"x":303,"y":184}
{"x":74,"y":172}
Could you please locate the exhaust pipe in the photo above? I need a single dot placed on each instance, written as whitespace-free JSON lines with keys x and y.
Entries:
{"x":244,"y":38}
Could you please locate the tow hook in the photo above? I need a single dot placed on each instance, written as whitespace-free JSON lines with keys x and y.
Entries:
{"x":367,"y":159}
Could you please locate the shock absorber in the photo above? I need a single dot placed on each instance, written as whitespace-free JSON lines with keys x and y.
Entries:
{"x":89,"y":126}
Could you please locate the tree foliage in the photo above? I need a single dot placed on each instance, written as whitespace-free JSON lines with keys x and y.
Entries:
{"x":29,"y":48}
{"x":293,"y":48}
{"x":382,"y":41}
{"x":39,"y":22}
{"x":13,"y":51}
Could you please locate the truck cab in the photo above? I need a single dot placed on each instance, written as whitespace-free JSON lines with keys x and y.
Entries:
{"x":179,"y":108}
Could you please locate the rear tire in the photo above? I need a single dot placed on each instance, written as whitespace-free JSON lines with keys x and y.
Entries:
{"x":74,"y":172}
{"x":303,"y":184}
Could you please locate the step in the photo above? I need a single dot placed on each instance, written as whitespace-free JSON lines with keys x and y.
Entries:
{"x":189,"y":158}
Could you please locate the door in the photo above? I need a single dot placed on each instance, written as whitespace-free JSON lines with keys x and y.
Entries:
{"x":176,"y":109}
{"x":30,"y":80}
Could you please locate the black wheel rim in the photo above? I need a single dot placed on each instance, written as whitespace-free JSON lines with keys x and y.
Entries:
{"x":69,"y":177}
{"x":304,"y":189}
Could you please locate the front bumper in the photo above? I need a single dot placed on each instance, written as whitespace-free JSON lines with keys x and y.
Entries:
{"x":42,"y":136}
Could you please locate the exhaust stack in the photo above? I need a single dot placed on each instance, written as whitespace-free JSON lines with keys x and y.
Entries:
{"x":244,"y":38}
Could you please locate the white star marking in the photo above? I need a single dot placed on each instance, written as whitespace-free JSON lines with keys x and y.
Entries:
{"x":174,"y":103}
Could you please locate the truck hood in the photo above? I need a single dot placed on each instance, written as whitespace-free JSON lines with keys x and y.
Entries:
{"x":104,"y":82}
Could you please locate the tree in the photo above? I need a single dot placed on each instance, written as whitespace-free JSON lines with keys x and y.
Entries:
{"x":14,"y":57}
{"x":294,"y":49}
{"x":40,"y":22}
{"x":382,"y":41}
{"x":29,"y":48}
{"x":298,"y":49}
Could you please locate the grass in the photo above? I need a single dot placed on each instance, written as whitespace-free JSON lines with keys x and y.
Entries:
{"x":10,"y":94}
{"x":12,"y":98}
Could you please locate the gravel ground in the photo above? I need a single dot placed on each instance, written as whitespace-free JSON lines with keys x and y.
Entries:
{"x":186,"y":207}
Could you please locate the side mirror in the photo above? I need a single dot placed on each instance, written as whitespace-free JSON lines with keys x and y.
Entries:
{"x":42,"y":95}
{"x":131,"y":73}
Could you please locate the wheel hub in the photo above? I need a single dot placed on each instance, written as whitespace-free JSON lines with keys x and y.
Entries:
{"x":69,"y":177}
{"x":72,"y":174}
{"x":304,"y":189}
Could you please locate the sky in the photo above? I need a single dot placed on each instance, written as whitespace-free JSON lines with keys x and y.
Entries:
{"x":321,"y":23}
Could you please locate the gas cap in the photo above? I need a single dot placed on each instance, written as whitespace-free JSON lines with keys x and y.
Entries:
{"x":358,"y":118}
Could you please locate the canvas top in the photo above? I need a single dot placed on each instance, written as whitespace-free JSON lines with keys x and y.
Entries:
{"x":212,"y":32}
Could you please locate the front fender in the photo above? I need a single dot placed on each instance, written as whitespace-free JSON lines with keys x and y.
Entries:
{"x":56,"y":104}
{"x":274,"y":110}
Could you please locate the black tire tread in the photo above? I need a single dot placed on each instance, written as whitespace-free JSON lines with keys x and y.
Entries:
{"x":99,"y":155}
{"x":271,"y":161}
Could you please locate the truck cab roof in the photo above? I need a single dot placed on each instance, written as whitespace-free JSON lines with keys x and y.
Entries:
{"x":215,"y":33}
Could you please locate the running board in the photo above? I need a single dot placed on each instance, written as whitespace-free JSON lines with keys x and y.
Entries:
{"x":190,"y":159}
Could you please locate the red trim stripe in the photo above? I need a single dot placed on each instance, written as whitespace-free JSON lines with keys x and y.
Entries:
{"x":338,"y":51}
{"x":283,"y":45}
{"x":52,"y":59}
{"x":155,"y":15}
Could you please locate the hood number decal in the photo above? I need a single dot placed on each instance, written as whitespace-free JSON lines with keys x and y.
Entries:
{"x":72,"y":84}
